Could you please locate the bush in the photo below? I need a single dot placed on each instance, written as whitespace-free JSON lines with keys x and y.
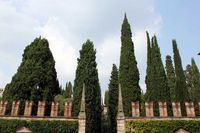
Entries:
{"x":44,"y":126}
{"x":166,"y":126}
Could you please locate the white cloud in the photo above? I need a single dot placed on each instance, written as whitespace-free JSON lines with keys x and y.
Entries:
{"x":67,"y":24}
{"x":62,"y":49}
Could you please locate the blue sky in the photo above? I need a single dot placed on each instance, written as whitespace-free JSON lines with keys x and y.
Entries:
{"x":181,"y":20}
{"x":68,"y":23}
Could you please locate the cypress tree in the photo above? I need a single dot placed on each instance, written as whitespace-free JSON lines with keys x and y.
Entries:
{"x":195,"y":82}
{"x":161,"y":90}
{"x":68,"y":90}
{"x":181,"y":91}
{"x":129,"y":74}
{"x":189,"y":83}
{"x":87,"y":73}
{"x":170,"y":76}
{"x":113,"y":100}
{"x":36,"y":77}
{"x":149,"y":71}
{"x":156,"y":79}
{"x":106,"y":97}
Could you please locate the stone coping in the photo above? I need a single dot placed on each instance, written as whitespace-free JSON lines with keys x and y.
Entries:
{"x":38,"y":118}
{"x":160,"y":118}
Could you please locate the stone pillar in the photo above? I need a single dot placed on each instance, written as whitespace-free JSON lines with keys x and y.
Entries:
{"x":41,"y":108}
{"x":54,"y":109}
{"x":176,"y":107}
{"x":3,"y":105}
{"x":82,"y":115}
{"x":28,"y":108}
{"x":163,"y":109}
{"x":149,"y":109}
{"x":190,"y":109}
{"x":120,"y":114}
{"x":15,"y":108}
{"x":135,"y":109}
{"x":68,"y":109}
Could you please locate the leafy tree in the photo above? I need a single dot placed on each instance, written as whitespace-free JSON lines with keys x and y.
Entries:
{"x":195,"y":82}
{"x":181,"y":91}
{"x":68,"y":90}
{"x":128,"y":71}
{"x":156,"y":79}
{"x":189,"y":84}
{"x":171,"y":76}
{"x":106,"y":97}
{"x":36,"y":77}
{"x":113,"y":100}
{"x":150,"y":71}
{"x":87,"y":73}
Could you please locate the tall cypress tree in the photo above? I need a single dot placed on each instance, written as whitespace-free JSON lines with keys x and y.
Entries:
{"x":156,"y":79}
{"x":195,"y":82}
{"x":113,"y":100}
{"x":189,"y":83}
{"x":181,"y":91}
{"x":87,"y":73}
{"x":129,"y":74}
{"x":68,"y":90}
{"x":106,"y":97}
{"x":149,"y":71}
{"x":36,"y":77}
{"x":171,"y":76}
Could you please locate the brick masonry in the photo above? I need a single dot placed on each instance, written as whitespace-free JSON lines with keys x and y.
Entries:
{"x":190,"y":109}
{"x":149,"y":109}
{"x":3,"y":105}
{"x":163,"y":109}
{"x":176,"y":107}
{"x":41,"y":108}
{"x":15,"y":108}
{"x":28,"y":108}
{"x":54,"y":109}
{"x":135,"y":109}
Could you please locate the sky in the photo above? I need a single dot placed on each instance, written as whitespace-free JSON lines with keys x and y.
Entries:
{"x":67,"y":24}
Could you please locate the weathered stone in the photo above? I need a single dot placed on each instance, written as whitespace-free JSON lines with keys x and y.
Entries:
{"x":176,"y":107}
{"x":135,"y":109}
{"x":190,"y":109}
{"x":23,"y":130}
{"x":120,"y":114}
{"x":82,"y":115}
{"x":182,"y":131}
{"x":28,"y":108}
{"x":41,"y":108}
{"x":3,"y":105}
{"x":163,"y":109}
{"x":54,"y":109}
{"x":68,"y":109}
{"x":149,"y":109}
{"x":15,"y":108}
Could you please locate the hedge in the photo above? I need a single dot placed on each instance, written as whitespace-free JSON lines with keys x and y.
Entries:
{"x":39,"y":126}
{"x":166,"y":126}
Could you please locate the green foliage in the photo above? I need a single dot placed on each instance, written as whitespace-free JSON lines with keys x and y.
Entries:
{"x":195,"y":82}
{"x":188,"y":76}
{"x":87,"y":73}
{"x":44,"y":126}
{"x":156,"y":79}
{"x":68,"y":90}
{"x":170,"y":76}
{"x":113,"y":100}
{"x":182,"y":94}
{"x":61,"y":104}
{"x":128,"y":71}
{"x":166,"y":126}
{"x":36,"y":77}
{"x":106,"y":97}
